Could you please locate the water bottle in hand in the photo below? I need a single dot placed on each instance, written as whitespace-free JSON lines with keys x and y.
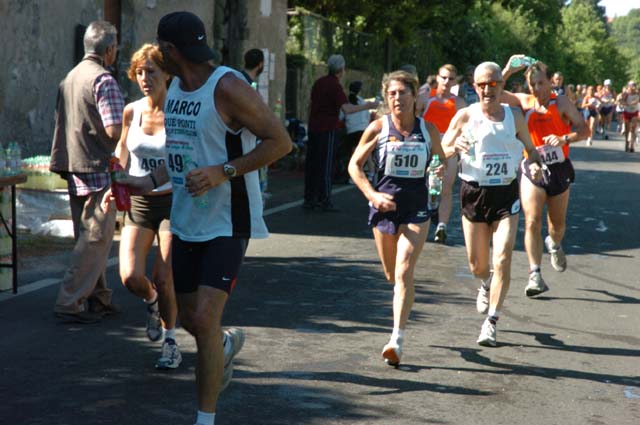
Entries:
{"x":200,"y":201}
{"x":523,"y":61}
{"x":435,"y":184}
{"x":120,"y":191}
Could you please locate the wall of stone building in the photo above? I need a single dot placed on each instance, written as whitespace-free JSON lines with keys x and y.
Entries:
{"x":39,"y":49}
{"x":139,"y":23}
{"x":241,"y":25}
{"x":267,"y":29}
{"x":39,"y":39}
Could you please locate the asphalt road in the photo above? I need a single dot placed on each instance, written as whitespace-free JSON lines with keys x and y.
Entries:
{"x":316,"y":311}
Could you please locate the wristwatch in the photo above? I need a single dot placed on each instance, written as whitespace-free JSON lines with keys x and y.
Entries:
{"x":566,"y":139}
{"x":229,"y":170}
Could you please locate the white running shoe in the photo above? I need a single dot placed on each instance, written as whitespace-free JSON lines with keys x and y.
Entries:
{"x":487,"y":336}
{"x":154,"y":324}
{"x":233,"y":340}
{"x":558,"y":258}
{"x":392,"y":353}
{"x":482,"y":302}
{"x":536,"y":285}
{"x":171,"y":356}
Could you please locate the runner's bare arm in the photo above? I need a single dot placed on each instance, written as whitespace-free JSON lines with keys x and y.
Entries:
{"x":366,"y":146}
{"x":522,"y":133}
{"x":240,"y":106}
{"x":450,"y":141}
{"x":570,"y":112}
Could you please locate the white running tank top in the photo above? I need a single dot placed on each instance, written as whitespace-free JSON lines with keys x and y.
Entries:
{"x":196,"y":131}
{"x":497,"y":150}
{"x":631,"y":105}
{"x":146,"y":152}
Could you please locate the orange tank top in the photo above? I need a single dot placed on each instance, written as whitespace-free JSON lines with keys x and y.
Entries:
{"x":440,"y":114}
{"x":544,"y":124}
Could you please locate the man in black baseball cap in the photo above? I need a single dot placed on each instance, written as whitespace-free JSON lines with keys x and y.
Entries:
{"x":213,"y":120}
{"x":186,"y":32}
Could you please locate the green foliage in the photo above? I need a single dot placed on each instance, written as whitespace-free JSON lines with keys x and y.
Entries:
{"x":594,"y":55}
{"x":571,"y":36}
{"x":626,"y":34}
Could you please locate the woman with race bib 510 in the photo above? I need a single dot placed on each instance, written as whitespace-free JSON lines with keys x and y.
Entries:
{"x":402,"y":146}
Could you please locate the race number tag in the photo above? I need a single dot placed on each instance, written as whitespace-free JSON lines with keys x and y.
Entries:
{"x":551,"y":154}
{"x":497,"y":169}
{"x":406,"y":159}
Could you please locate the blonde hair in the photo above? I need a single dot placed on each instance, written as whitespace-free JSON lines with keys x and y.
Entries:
{"x":451,"y":68}
{"x":146,"y":52}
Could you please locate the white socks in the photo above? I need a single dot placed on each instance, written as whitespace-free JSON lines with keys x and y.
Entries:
{"x":205,"y":418}
{"x":397,"y":336}
{"x":169,"y":333}
{"x":153,"y":300}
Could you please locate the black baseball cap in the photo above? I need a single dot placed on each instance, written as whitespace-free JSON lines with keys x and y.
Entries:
{"x":186,"y":31}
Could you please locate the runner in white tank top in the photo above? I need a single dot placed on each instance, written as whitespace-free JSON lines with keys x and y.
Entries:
{"x":141,"y":150}
{"x":489,"y":189}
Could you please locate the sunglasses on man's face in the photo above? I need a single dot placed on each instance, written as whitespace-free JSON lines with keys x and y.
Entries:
{"x":490,"y":84}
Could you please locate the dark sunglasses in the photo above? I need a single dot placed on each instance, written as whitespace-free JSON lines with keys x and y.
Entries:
{"x":490,"y":84}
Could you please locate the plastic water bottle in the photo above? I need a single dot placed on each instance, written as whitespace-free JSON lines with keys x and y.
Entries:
{"x":15,"y":156}
{"x":201,"y":201}
{"x":4,"y":169}
{"x":8,"y":158}
{"x":471,"y":138}
{"x":120,"y":191}
{"x":435,"y":184}
{"x":524,"y":61}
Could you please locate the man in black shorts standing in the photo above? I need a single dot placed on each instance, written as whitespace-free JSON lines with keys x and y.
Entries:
{"x":212,"y":120}
{"x":489,"y":138}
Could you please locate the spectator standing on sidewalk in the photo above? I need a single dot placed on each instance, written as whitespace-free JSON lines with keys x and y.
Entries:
{"x":212,"y":120}
{"x":142,"y":149}
{"x":88,"y":123}
{"x":355,"y":125}
{"x":253,"y":65}
{"x":327,"y":100}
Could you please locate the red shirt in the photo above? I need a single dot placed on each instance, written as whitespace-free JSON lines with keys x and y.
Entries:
{"x":327,"y":97}
{"x":544,"y":124}
{"x":440,"y":113}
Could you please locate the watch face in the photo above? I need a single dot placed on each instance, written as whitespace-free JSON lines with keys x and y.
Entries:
{"x":230,"y":170}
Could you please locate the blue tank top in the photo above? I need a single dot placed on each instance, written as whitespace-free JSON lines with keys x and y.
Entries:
{"x":393,"y":183}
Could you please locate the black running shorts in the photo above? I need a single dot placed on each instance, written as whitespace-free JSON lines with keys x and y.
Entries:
{"x":214,"y":263}
{"x":560,"y":177}
{"x":150,"y":211}
{"x":488,"y":203}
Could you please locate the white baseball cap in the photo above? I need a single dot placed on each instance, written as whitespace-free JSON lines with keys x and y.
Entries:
{"x":607,"y":82}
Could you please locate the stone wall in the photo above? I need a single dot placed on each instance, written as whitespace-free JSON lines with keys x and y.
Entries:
{"x":40,"y":48}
